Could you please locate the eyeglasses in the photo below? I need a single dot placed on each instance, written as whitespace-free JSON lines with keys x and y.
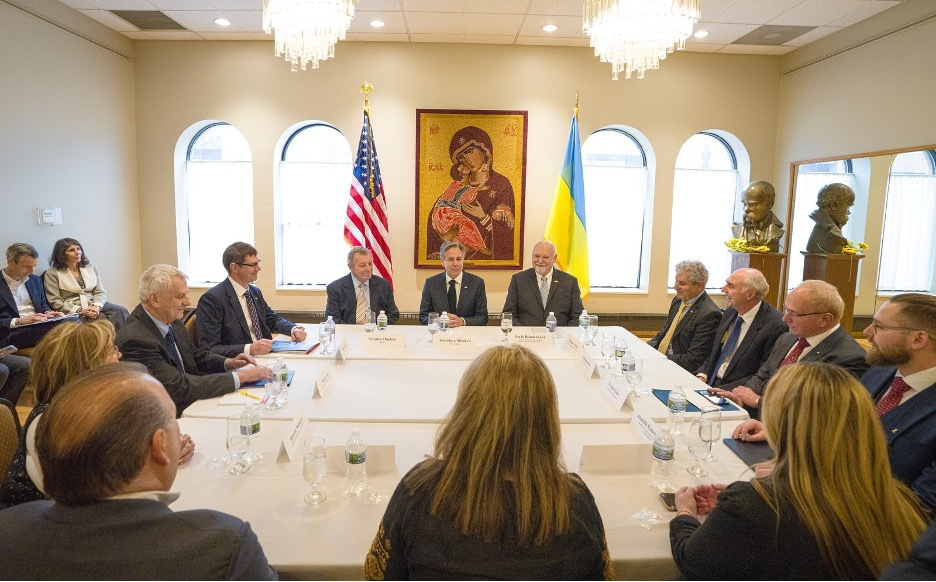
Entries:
{"x":250,"y":265}
{"x":794,"y":314}
{"x":878,"y":326}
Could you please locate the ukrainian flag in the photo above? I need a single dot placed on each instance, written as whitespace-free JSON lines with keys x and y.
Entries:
{"x":566,"y":224}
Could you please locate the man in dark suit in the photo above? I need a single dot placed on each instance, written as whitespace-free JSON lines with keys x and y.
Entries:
{"x":233,"y":318}
{"x":352,"y":296}
{"x":459,"y":293}
{"x":528,"y":288}
{"x":747,"y":331}
{"x":812,"y":311}
{"x":154,"y":336}
{"x":687,"y":336}
{"x":109,"y":448}
{"x":23,"y":299}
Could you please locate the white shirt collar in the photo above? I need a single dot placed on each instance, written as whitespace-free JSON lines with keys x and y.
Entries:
{"x":237,"y":287}
{"x":457,"y":279}
{"x":921,"y":380}
{"x":11,"y":281}
{"x":751,"y":313}
{"x":818,"y":339}
{"x":548,"y":275}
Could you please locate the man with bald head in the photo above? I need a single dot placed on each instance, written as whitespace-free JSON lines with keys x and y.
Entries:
{"x":747,"y":331}
{"x":109,"y":448}
{"x":534,"y":293}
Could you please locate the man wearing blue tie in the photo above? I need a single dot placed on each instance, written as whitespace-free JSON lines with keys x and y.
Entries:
{"x":459,"y":293}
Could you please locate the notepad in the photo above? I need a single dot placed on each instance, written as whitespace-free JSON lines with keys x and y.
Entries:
{"x":750,"y":453}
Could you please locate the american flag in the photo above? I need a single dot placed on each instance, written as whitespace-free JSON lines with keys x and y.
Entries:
{"x":366,"y":220}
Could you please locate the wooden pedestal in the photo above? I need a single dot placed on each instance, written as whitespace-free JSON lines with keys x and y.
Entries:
{"x":772,"y":265}
{"x":841,"y":271}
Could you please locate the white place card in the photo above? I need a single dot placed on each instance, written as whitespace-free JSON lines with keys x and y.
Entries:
{"x":324,"y":383}
{"x":646,"y":427}
{"x":616,"y":391}
{"x":344,"y":348}
{"x":572,"y":343}
{"x":587,"y":365}
{"x":389,"y":341}
{"x":292,"y":438}
{"x":455,"y":342}
{"x":532,"y":337}
{"x":380,"y":458}
{"x":624,"y":458}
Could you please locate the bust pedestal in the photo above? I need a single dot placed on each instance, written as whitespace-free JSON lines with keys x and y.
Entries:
{"x":840,"y":271}
{"x":772,"y":265}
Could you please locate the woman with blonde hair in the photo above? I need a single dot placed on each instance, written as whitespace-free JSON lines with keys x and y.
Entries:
{"x":830,"y":507}
{"x":495,"y":499}
{"x":68,"y":350}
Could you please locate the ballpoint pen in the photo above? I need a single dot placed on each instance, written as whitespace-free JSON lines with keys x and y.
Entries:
{"x":312,"y":349}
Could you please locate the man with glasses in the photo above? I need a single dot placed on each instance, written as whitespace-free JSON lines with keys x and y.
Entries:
{"x":232,"y":317}
{"x":812,"y":311}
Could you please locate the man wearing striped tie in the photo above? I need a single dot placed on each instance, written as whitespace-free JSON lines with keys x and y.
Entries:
{"x":902,"y":381}
{"x":351,"y":297}
{"x":533,"y":293}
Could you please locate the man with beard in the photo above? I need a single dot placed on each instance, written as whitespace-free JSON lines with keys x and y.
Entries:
{"x":902,"y":380}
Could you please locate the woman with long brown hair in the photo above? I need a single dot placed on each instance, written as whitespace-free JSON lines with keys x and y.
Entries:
{"x":829,"y":508}
{"x":495,"y":499}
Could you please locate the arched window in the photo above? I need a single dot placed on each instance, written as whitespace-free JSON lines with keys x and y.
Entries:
{"x":312,"y":185}
{"x":810,"y":178}
{"x":214,"y":197}
{"x":616,"y":201}
{"x":710,"y":169}
{"x":909,"y":242}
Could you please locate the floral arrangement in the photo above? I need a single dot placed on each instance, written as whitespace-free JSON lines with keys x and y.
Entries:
{"x":740,"y":245}
{"x":854,"y":248}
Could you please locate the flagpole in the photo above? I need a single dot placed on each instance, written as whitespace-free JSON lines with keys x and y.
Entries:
{"x":367,"y":89}
{"x":575,"y":109}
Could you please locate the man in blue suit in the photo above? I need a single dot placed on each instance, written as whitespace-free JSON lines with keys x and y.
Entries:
{"x":352,"y":296}
{"x":23,"y":299}
{"x":232,"y":317}
{"x":459,"y":293}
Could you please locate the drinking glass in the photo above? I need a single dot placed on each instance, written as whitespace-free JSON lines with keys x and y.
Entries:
{"x":713,"y":415}
{"x":314,"y":468}
{"x":592,"y":330}
{"x":607,"y":349}
{"x":325,"y":338}
{"x":635,"y":376}
{"x":237,"y":445}
{"x":370,"y":324}
{"x":506,"y":324}
{"x":620,"y":346}
{"x":274,"y":400}
{"x":433,"y":324}
{"x":698,"y":447}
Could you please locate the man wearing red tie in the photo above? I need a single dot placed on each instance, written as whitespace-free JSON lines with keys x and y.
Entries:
{"x":902,"y":381}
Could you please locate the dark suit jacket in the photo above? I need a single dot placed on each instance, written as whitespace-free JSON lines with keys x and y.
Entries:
{"x":692,"y":341}
{"x":131,"y":539}
{"x":753,"y":350}
{"x":839,"y":348}
{"x":921,"y":564}
{"x":526,"y":305}
{"x":140,"y":341}
{"x":472,"y":299}
{"x":222,"y":326}
{"x":911,"y":434}
{"x":342,"y":302}
{"x":9,"y":311}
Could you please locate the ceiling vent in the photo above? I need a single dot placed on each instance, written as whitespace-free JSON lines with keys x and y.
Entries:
{"x":148,"y":19}
{"x":772,"y":34}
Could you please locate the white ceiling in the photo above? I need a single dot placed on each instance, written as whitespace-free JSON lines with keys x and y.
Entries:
{"x":495,"y":21}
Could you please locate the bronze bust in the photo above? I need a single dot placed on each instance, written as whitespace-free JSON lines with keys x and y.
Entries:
{"x":760,"y":227}
{"x":833,"y":203}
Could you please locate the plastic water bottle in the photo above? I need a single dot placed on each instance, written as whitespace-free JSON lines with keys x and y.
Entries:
{"x":281,"y":378}
{"x":444,"y":322}
{"x":356,"y":462}
{"x":551,"y":323}
{"x":677,"y":407}
{"x":583,"y":326}
{"x":382,"y":321}
{"x":250,"y":426}
{"x":330,"y":342}
{"x":628,"y":362}
{"x":662,"y":463}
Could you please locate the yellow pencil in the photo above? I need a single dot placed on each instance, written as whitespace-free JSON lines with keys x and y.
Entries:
{"x":254,"y":396}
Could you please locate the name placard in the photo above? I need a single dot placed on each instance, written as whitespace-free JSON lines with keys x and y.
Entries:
{"x":455,"y":342}
{"x":344,"y":348}
{"x":532,"y":337}
{"x":382,"y":341}
{"x":292,"y":437}
{"x":615,"y":391}
{"x":324,"y":383}
{"x":572,"y":343}
{"x":646,"y":428}
{"x":587,"y":365}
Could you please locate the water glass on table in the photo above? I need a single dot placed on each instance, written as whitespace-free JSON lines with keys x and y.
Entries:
{"x":370,"y":324}
{"x":607,"y":349}
{"x":700,"y":430}
{"x":634,"y":376}
{"x":592,"y":330}
{"x":713,"y":414}
{"x":238,"y":444}
{"x":433,"y":326}
{"x":506,"y":324}
{"x":314,"y":469}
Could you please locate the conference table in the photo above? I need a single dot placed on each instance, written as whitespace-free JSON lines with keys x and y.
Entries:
{"x":397,"y":399}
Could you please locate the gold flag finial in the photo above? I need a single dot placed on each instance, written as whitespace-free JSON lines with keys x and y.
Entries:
{"x":366,"y":88}
{"x":575,"y":109}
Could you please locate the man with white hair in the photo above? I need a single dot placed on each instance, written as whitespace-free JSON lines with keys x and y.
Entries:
{"x":154,"y":336}
{"x":542,"y":289}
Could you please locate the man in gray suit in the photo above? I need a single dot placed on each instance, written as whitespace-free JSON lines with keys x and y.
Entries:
{"x":686,"y":337}
{"x":109,"y":448}
{"x":352,"y":296}
{"x":527,"y":290}
{"x":747,"y":332}
{"x":459,"y":293}
{"x":812,"y":311}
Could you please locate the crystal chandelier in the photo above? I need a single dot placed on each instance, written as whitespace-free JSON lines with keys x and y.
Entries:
{"x":305,"y":31}
{"x":633,"y":35}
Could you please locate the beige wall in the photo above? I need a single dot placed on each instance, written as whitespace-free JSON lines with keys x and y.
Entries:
{"x":181,"y":83}
{"x":67,"y":140}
